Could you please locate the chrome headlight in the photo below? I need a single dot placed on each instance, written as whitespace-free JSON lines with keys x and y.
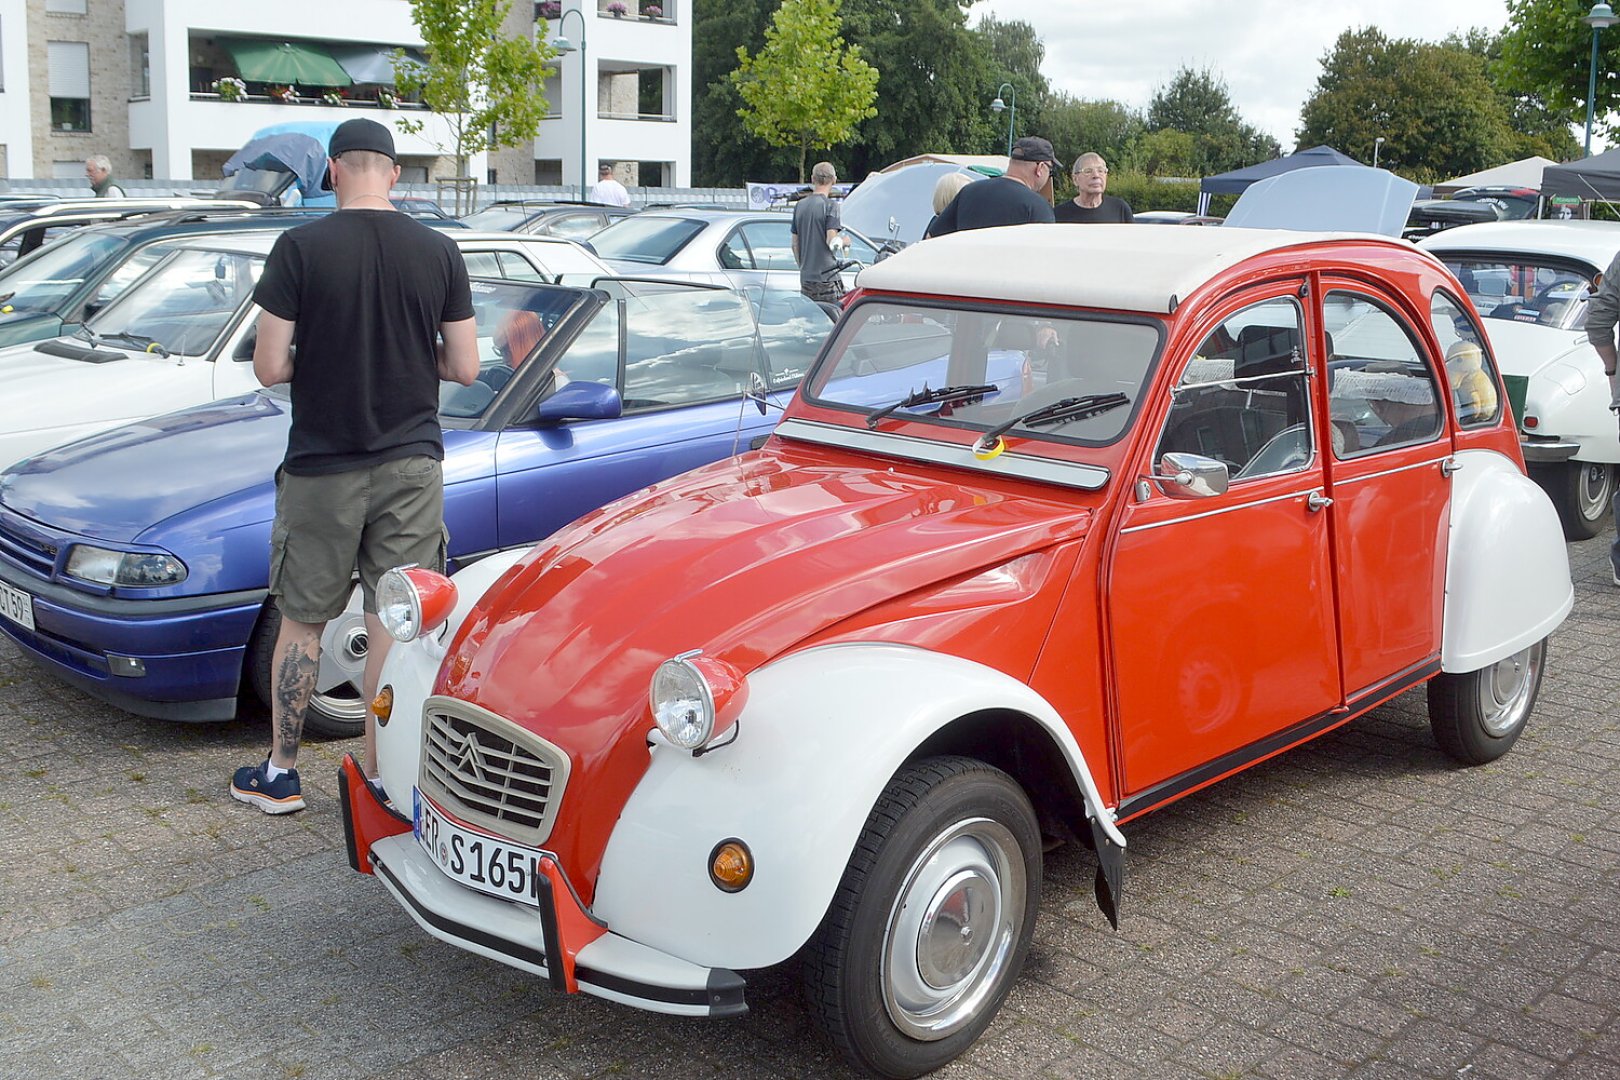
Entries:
{"x":682,"y":705}
{"x":695,"y":698}
{"x":412,"y":601}
{"x":103,"y":566}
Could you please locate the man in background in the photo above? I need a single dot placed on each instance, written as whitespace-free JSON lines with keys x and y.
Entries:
{"x":608,"y":191}
{"x":98,"y":170}
{"x":815,"y":233}
{"x":1090,"y":206}
{"x":1010,"y":199}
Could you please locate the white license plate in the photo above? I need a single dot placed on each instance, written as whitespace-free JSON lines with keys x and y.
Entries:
{"x":17,"y":606}
{"x":476,"y":859}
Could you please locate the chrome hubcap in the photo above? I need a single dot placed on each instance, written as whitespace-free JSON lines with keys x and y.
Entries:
{"x":1506,"y":689}
{"x":953,"y":929}
{"x":343,"y":666}
{"x":1593,"y":491}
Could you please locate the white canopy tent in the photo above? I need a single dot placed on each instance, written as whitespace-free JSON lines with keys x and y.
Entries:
{"x":1525,"y":173}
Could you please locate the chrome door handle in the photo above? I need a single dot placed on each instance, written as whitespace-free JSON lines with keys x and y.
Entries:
{"x":1449,"y":465}
{"x":1316,"y":501}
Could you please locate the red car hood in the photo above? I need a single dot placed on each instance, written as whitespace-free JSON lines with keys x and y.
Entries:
{"x":742,"y":559}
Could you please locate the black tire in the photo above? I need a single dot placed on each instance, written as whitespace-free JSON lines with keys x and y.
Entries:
{"x":1478,"y":716}
{"x":1582,"y":492}
{"x":959,"y":839}
{"x":340,"y":714}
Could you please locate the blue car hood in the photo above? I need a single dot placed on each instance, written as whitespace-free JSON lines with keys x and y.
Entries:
{"x":118,"y":484}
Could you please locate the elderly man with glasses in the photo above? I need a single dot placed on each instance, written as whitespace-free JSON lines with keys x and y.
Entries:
{"x":1089,"y":205}
{"x":1012,"y":199}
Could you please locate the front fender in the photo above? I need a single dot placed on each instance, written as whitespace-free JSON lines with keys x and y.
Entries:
{"x":411,"y":667}
{"x":1507,"y":569}
{"x":822,"y":733}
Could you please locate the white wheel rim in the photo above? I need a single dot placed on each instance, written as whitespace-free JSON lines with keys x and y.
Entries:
{"x":1593,"y":491}
{"x":953,"y":928}
{"x":343,"y":666}
{"x":1505,"y":689}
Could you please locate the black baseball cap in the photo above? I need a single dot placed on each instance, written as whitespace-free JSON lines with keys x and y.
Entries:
{"x":360,"y":134}
{"x":1029,"y":148}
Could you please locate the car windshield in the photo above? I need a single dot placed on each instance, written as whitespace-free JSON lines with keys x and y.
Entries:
{"x":645,"y":238}
{"x":185,"y":303}
{"x":512,"y":321}
{"x":887,"y":353}
{"x":1524,"y":289}
{"x":497,"y":218}
{"x":50,"y":278}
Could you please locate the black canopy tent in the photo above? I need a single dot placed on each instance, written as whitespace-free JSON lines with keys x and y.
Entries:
{"x":1238,"y":180}
{"x":1596,"y":177}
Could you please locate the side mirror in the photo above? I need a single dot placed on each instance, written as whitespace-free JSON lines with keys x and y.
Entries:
{"x":1191,"y":476}
{"x":244,"y":348}
{"x":580,"y":401}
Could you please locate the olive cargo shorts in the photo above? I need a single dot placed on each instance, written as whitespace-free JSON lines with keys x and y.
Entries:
{"x":376,"y":518}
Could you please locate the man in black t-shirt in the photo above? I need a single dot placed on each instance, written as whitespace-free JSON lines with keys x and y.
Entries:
{"x":1089,"y":205}
{"x":1011,"y":199}
{"x":358,"y":297}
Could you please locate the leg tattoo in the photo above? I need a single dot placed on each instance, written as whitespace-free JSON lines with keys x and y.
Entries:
{"x":295,"y":681}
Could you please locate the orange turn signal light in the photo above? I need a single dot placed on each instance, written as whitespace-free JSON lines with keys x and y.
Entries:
{"x":382,"y":706}
{"x":731,"y":865}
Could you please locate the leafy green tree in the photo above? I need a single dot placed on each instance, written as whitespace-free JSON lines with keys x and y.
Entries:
{"x":938,"y":81}
{"x":1546,"y":55}
{"x":1014,"y":52}
{"x":1198,"y":104}
{"x":489,"y":88}
{"x":1434,"y":105}
{"x":1100,"y":127}
{"x":1167,"y":152}
{"x":723,"y":153}
{"x":805,"y":88}
{"x":1535,"y":127}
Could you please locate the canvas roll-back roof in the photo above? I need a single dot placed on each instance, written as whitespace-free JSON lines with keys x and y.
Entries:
{"x":1123,"y":267}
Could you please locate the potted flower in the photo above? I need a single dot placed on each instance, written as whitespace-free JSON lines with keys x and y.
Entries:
{"x":617,"y":9}
{"x":334,"y":97}
{"x":551,"y":9}
{"x":287,"y":95}
{"x":230,"y":88}
{"x":652,"y":11}
{"x":387,"y":99}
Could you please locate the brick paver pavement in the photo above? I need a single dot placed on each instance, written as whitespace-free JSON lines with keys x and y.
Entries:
{"x":1357,"y":908}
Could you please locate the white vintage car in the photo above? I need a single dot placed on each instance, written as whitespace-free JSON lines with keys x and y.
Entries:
{"x":183,"y":335}
{"x":1531,"y":280}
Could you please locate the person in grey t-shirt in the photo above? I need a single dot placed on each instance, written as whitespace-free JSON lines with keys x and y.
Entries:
{"x":815,"y":232}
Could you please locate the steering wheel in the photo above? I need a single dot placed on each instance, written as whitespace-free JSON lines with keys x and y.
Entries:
{"x":1285,"y":451}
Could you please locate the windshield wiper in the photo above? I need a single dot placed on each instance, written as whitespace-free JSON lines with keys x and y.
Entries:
{"x":1059,"y":412}
{"x":139,"y":341}
{"x":926,"y":396}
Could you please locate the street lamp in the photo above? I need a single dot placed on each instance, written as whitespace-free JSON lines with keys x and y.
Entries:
{"x":1601,"y":17}
{"x":1011,"y":105}
{"x":1378,"y":142}
{"x":563,"y":45}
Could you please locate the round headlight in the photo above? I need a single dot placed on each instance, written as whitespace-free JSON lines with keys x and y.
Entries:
{"x":682,"y":705}
{"x":411,"y":601}
{"x":103,"y":566}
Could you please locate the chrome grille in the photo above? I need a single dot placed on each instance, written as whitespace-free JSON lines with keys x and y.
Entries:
{"x":490,"y":772}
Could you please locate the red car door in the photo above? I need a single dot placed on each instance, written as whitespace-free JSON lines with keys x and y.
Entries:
{"x":1220,"y":609}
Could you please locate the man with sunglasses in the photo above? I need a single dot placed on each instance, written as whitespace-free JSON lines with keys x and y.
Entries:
{"x":1089,"y":205}
{"x":1010,"y":199}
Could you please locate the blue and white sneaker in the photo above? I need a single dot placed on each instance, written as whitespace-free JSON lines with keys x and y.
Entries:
{"x":283,"y":795}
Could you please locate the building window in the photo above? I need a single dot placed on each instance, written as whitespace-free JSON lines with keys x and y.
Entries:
{"x":140,"y":66}
{"x":69,"y":85}
{"x":66,"y":7}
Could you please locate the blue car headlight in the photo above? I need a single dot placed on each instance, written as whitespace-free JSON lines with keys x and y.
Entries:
{"x":103,"y":566}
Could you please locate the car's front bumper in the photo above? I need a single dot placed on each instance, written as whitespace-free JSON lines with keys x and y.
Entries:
{"x":591,"y":958}
{"x":176,"y":659}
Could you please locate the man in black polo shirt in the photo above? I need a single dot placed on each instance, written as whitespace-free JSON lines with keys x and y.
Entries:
{"x":1010,"y":199}
{"x":359,"y":298}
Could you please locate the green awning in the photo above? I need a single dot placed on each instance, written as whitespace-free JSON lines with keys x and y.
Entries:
{"x":285,"y":62}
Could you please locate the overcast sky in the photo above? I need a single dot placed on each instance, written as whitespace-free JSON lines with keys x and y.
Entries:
{"x":1268,"y":51}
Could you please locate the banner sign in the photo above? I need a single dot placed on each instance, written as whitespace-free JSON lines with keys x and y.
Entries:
{"x":761,"y":196}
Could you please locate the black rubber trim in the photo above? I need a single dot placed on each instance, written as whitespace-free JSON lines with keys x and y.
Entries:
{"x":548,"y":931}
{"x":110,"y":605}
{"x":348,"y":822}
{"x":723,"y":995}
{"x":1176,"y":786}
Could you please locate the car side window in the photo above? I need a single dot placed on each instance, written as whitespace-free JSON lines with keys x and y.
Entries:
{"x":1469,"y":372}
{"x":771,"y":243}
{"x":515,"y":267}
{"x":685,"y":346}
{"x":792,"y":330}
{"x":733,"y":253}
{"x":482,"y":264}
{"x":1381,"y":390}
{"x":575,"y":226}
{"x":1242,"y":399}
{"x":593,"y":356}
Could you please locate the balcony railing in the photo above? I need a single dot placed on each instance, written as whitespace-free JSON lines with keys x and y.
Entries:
{"x":653,"y":118}
{"x":348,"y":103}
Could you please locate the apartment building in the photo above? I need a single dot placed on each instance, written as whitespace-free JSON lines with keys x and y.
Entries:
{"x":170,"y":88}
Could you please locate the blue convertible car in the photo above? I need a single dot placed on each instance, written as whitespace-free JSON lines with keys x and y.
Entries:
{"x":134,"y":563}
